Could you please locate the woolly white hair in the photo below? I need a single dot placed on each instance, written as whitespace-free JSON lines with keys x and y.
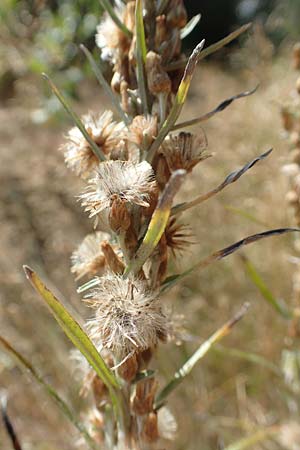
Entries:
{"x":128,"y":317}
{"x":88,"y":254}
{"x":130,"y":182}
{"x":79,"y":157}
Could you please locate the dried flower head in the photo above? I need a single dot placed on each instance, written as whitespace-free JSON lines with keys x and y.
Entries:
{"x":143,"y":130}
{"x":178,"y":236}
{"x":132,"y":183}
{"x":105,"y":133}
{"x":88,"y":258}
{"x":109,"y":36}
{"x":128,"y":318}
{"x":184,"y":150}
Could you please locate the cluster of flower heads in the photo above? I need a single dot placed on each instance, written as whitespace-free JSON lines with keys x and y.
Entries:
{"x":121,"y":194}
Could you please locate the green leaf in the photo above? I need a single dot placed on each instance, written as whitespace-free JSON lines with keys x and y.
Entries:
{"x":212,"y":48}
{"x":23,"y":362}
{"x":102,"y":81}
{"x":141,"y":52}
{"x":223,"y":253}
{"x":199,"y":354}
{"x":106,"y":5}
{"x":179,"y":100}
{"x":231,"y":178}
{"x":76,"y":335}
{"x":94,"y":147}
{"x":157,"y":223}
{"x":253,"y":439}
{"x":185,"y":31}
{"x":223,"y":105}
{"x":264,"y":290}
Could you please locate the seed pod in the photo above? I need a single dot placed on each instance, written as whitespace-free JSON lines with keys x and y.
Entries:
{"x":119,"y":217}
{"x":145,"y":391}
{"x":158,"y":79}
{"x":113,"y":261}
{"x":150,"y":428}
{"x":129,"y":368}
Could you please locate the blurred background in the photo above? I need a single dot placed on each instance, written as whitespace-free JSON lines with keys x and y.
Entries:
{"x":231,"y":394}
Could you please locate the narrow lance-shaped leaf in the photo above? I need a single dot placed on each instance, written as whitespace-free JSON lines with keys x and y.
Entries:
{"x":25,"y":364}
{"x":76,"y":335}
{"x":184,"y":32}
{"x":255,"y":438}
{"x":94,"y":147}
{"x":9,"y":425}
{"x":231,"y":178}
{"x":264,"y":290}
{"x":107,"y":6}
{"x":223,"y":105}
{"x":141,"y":52}
{"x":199,"y":354}
{"x":179,"y":100}
{"x":88,"y":285}
{"x":157,"y":223}
{"x":223,"y":253}
{"x":102,"y":81}
{"x":212,"y":48}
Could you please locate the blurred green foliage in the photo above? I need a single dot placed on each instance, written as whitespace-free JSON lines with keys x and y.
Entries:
{"x":43,"y":36}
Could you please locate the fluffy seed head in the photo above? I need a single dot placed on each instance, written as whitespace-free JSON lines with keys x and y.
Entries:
{"x":106,"y":133}
{"x":88,"y":258}
{"x":131,"y":183}
{"x":128,"y":318}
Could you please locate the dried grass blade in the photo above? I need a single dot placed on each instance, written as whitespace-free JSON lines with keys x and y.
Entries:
{"x":74,"y":332}
{"x":246,"y":215}
{"x":179,"y":100}
{"x":223,"y":253}
{"x":158,"y":222}
{"x":231,"y":178}
{"x":264,"y":290}
{"x":248,"y":356}
{"x":212,"y":48}
{"x":94,"y":147}
{"x":223,"y":105}
{"x":253,"y":439}
{"x":102,"y":81}
{"x":190,"y":26}
{"x":199,"y":354}
{"x":141,"y":52}
{"x":23,"y":362}
{"x":9,"y":425}
{"x":106,"y":5}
